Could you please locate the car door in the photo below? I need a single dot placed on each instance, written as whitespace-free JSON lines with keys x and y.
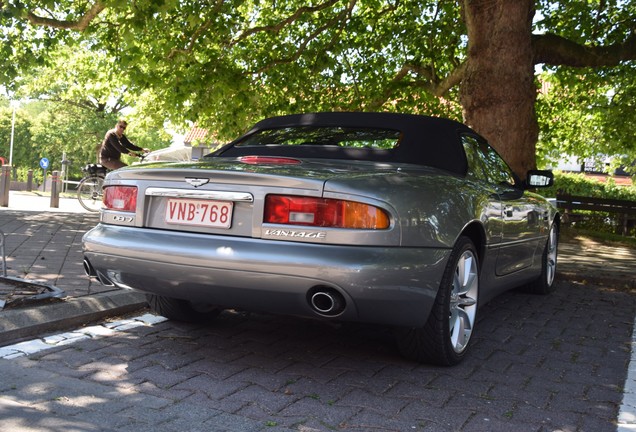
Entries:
{"x":519,"y":223}
{"x":521,"y":230}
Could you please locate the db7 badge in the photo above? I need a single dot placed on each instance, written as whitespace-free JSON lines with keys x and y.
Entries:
{"x":118,"y":219}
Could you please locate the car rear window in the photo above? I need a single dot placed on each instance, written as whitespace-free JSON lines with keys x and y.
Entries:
{"x":343,"y":137}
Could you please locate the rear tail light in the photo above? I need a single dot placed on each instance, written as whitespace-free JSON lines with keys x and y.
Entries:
{"x":323,"y":212}
{"x":121,"y":198}
{"x":269,"y":160}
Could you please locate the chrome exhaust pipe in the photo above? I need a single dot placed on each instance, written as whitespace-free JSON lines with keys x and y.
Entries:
{"x":88,"y":269}
{"x":327,"y":302}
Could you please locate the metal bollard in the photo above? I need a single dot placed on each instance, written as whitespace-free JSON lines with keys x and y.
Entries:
{"x":5,"y":185}
{"x":55,"y":190}
{"x":29,"y":186}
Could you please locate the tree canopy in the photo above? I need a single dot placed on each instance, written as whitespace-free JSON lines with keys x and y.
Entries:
{"x":227,"y":63}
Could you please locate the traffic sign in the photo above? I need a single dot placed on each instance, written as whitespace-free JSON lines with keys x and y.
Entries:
{"x":44,"y":163}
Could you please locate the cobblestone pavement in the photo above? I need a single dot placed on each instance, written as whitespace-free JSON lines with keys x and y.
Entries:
{"x":589,"y":261}
{"x":46,"y":247}
{"x":540,"y":363}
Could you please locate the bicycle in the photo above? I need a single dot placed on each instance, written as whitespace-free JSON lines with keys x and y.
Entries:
{"x":89,"y":189}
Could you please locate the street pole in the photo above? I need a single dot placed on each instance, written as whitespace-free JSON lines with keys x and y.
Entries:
{"x":12,"y":132}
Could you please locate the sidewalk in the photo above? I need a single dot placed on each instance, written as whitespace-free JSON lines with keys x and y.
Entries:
{"x":44,"y":245}
{"x":40,"y":201}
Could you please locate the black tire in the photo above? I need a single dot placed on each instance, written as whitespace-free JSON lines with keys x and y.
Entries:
{"x":181,"y":310}
{"x":89,"y":193}
{"x":446,"y":336}
{"x":545,"y":282}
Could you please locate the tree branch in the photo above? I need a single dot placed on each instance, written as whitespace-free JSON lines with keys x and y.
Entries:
{"x":439,"y":87}
{"x":190,"y":46}
{"x":303,"y":46}
{"x":89,"y":104}
{"x":79,"y":25}
{"x":430,"y":82}
{"x":276,"y":28}
{"x":555,"y":50}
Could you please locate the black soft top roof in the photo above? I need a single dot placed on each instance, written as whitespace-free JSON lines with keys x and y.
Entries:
{"x":430,"y":141}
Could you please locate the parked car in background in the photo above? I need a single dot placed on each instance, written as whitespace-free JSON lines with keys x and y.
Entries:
{"x":402,"y":220}
{"x":170,"y":154}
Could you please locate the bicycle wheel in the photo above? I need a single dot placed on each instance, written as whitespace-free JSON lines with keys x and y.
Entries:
{"x":89,"y":193}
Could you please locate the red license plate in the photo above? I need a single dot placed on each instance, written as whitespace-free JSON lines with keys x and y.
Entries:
{"x":213,"y":214}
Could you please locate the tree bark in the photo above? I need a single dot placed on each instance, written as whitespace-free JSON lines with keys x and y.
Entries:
{"x":498,"y":92}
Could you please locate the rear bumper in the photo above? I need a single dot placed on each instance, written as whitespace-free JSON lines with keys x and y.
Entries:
{"x":395,"y":286}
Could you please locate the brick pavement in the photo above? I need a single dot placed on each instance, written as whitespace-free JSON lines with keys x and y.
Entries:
{"x":540,"y":363}
{"x":589,"y":261}
{"x":46,"y":247}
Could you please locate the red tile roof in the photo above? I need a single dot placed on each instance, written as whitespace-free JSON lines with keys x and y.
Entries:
{"x":196,"y":134}
{"x":619,"y":180}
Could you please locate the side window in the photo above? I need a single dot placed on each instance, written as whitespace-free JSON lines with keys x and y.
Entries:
{"x":476,"y":168}
{"x":494,"y":168}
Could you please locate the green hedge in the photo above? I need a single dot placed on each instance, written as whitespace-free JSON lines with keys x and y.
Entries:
{"x":579,"y":184}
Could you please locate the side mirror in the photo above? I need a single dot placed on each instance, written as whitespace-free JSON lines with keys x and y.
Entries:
{"x":539,"y":178}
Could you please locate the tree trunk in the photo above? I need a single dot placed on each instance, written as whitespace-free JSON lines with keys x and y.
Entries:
{"x":498,"y":91}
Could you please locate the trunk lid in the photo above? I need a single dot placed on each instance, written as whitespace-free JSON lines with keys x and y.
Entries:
{"x":226,"y":197}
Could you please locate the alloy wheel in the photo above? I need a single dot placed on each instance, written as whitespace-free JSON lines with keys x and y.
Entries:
{"x":463,"y":301}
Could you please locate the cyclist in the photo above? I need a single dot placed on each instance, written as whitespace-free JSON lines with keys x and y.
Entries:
{"x":115,"y":143}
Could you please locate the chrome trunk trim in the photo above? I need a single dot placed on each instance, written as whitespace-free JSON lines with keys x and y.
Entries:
{"x":199,"y":194}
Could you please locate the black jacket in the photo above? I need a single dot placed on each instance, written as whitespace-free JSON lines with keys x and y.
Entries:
{"x":113,"y":146}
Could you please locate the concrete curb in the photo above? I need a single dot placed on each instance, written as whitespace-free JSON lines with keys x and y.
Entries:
{"x":22,"y":323}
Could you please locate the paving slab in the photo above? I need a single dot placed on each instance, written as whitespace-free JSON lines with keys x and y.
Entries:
{"x":42,"y":247}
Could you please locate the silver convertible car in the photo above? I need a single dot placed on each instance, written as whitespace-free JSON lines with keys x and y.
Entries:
{"x":400,"y":220}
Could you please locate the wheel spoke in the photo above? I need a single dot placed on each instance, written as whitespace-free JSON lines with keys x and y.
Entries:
{"x":463,"y":269}
{"x":463,"y":301}
{"x":551,"y":258}
{"x":460,"y":330}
